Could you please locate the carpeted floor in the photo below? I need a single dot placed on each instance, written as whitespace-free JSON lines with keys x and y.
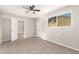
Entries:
{"x":33,"y":46}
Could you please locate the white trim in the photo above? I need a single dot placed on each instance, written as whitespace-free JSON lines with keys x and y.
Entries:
{"x":63,"y":45}
{"x":6,"y":40}
{"x":29,"y":36}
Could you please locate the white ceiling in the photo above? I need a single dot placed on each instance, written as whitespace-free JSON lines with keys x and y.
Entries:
{"x":18,"y":10}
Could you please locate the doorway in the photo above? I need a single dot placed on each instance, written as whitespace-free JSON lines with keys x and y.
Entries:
{"x":20,"y":29}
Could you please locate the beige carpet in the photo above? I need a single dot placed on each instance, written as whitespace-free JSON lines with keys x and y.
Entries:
{"x":34,"y":46}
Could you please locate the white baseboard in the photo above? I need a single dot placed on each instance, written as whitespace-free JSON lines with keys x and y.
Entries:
{"x":29,"y":36}
{"x":63,"y":45}
{"x":6,"y":40}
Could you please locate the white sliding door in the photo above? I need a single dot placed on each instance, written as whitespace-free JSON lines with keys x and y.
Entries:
{"x":6,"y":29}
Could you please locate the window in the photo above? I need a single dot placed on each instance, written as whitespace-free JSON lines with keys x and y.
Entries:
{"x":61,"y":20}
{"x":52,"y":21}
{"x":64,"y":20}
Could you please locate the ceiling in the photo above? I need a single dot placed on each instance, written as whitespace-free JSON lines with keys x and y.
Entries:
{"x":20,"y":11}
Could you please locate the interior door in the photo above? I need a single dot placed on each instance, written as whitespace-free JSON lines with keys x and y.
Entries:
{"x":20,"y":29}
{"x":14,"y":27}
{"x":6,"y":29}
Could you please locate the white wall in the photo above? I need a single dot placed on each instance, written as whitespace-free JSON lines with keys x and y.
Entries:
{"x":68,"y":36}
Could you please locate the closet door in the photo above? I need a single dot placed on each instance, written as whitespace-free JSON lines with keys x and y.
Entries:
{"x":6,"y":29}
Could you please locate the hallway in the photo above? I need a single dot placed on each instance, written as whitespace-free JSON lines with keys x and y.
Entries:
{"x":34,"y":46}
